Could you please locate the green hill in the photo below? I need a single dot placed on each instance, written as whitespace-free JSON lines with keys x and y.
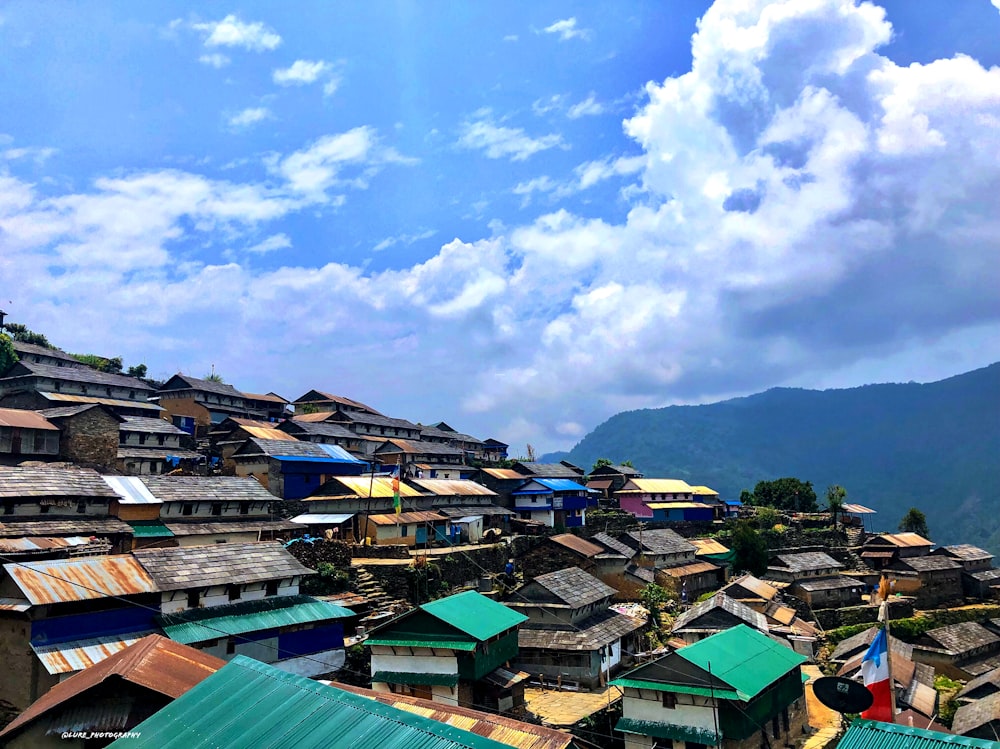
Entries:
{"x":935,"y":446}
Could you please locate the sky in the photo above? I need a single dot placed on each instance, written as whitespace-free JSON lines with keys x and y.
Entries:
{"x":519,"y":218}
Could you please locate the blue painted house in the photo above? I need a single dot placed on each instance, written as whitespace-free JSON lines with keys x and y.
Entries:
{"x":291,"y":469}
{"x":554,"y":502}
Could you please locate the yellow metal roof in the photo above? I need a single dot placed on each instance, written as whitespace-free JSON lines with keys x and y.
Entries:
{"x":450,"y":487}
{"x":66,"y":397}
{"x":708,"y":546}
{"x":655,"y":486}
{"x":420,"y":516}
{"x":704,"y":491}
{"x":263,"y":433}
{"x":503,"y":473}
{"x":675,"y":505}
{"x":381,"y":487}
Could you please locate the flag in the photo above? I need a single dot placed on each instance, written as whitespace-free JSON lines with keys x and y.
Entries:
{"x":875,"y":671}
{"x":395,"y":490}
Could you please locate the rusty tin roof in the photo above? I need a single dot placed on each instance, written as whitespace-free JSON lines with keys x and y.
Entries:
{"x":62,"y":580}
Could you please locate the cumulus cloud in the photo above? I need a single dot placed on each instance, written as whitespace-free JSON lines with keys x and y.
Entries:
{"x":567,"y":29}
{"x":301,"y":72}
{"x":586,"y":108}
{"x":248,"y":117}
{"x":233,"y":32}
{"x":499,"y":142}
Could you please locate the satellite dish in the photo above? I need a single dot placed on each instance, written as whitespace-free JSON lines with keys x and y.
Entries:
{"x":842,"y":695}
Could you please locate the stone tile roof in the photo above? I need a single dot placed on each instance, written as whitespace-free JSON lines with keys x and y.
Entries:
{"x":36,"y":482}
{"x":219,"y":564}
{"x":376,"y":420}
{"x":85,"y":375}
{"x":976,"y":714}
{"x":614,"y":544}
{"x":319,"y":428}
{"x":830,"y":583}
{"x":659,"y":541}
{"x":27,"y":349}
{"x":549,"y":470}
{"x":965,"y":552}
{"x":851,"y":646}
{"x":590,"y":634}
{"x":284,"y":448}
{"x":962,"y":637}
{"x":149,"y":425}
{"x":206,"y":489}
{"x":721,"y":601}
{"x":243,"y":525}
{"x":573,"y":587}
{"x":186,"y":382}
{"x":64,"y":527}
{"x":990,"y":680}
{"x":985,"y":576}
{"x":928,"y":563}
{"x":808,"y":561}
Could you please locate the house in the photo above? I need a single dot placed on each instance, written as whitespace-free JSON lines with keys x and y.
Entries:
{"x":36,"y":386}
{"x":710,"y":550}
{"x":26,"y":435}
{"x":878,"y":552}
{"x":735,"y":689}
{"x":111,"y":696}
{"x":370,"y":493}
{"x":554,"y":502}
{"x":233,"y":432}
{"x":747,"y":588}
{"x":561,"y":470}
{"x":638,"y":494}
{"x":421,"y":459}
{"x":325,"y":432}
{"x":291,"y":469}
{"x":979,"y":578}
{"x":982,"y":686}
{"x":864,"y":734}
{"x":807,"y":565}
{"x":135,"y":505}
{"x":272,"y":405}
{"x":30,"y":352}
{"x":571,"y":635}
{"x":195,"y":404}
{"x":715,"y":614}
{"x":316,"y":401}
{"x":494,"y":450}
{"x":199,"y":510}
{"x":88,"y":434}
{"x":815,"y":578}
{"x":61,"y":616}
{"x":503,"y":481}
{"x":419,"y":528}
{"x":375,"y":425}
{"x":151,"y":446}
{"x":659,"y":548}
{"x":472,"y":447}
{"x":694,"y":579}
{"x":782,"y":621}
{"x":931,"y":580}
{"x":469,"y":506}
{"x":960,"y":651}
{"x":442,"y":649}
{"x":608,"y":479}
{"x":568,"y":550}
{"x":226,"y":710}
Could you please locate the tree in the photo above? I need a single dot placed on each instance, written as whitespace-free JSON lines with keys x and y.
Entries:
{"x":21,"y":334}
{"x":653,"y":597}
{"x":788,"y":494}
{"x":214,"y":377}
{"x":139,"y":370}
{"x":8,"y":356}
{"x":749,"y":548}
{"x":628,"y":463}
{"x":914,"y":521}
{"x":835,"y":496}
{"x":600,"y":463}
{"x":101,"y":363}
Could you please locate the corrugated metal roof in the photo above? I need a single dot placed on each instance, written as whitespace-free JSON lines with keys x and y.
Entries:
{"x":704,"y":491}
{"x":684,"y":570}
{"x":131,"y":490}
{"x":381,"y":487}
{"x":67,"y":657}
{"x":677,"y":506}
{"x":453,"y":487}
{"x":198,"y":625}
{"x":904,"y":539}
{"x":150,"y":529}
{"x":561,"y":485}
{"x":708,"y":546}
{"x":474,"y":614}
{"x":497,"y":727}
{"x":112,"y":402}
{"x":14,"y":604}
{"x":61,"y":580}
{"x":225,"y":710}
{"x":30,"y":544}
{"x":655,"y":486}
{"x":154,"y":662}
{"x":858,"y":509}
{"x":577,"y":544}
{"x":15,"y":417}
{"x":269,"y":433}
{"x":404,"y":642}
{"x":870,"y":734}
{"x":423,"y":516}
{"x":317,"y":518}
{"x":502,"y":473}
{"x":338,"y":453}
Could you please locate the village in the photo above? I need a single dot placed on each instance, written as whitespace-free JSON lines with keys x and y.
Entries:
{"x":189,"y":560}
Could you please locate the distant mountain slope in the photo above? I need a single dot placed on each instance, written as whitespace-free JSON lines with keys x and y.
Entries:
{"x":935,"y":446}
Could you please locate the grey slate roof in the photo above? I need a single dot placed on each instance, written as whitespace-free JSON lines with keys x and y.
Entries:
{"x":360,"y":417}
{"x":975,"y":714}
{"x":985,"y":576}
{"x":724,"y":602}
{"x":219,"y":564}
{"x":851,"y":646}
{"x":928,"y":563}
{"x":592,"y":633}
{"x":965,"y":552}
{"x":186,"y":382}
{"x":321,"y":428}
{"x":962,"y":637}
{"x":550,"y":470}
{"x":614,"y":545}
{"x":77,"y":374}
{"x":243,"y":525}
{"x":37,"y":482}
{"x":446,"y":435}
{"x":27,"y":349}
{"x":574,"y":587}
{"x":808,"y":561}
{"x":64,"y":527}
{"x":660,"y":541}
{"x":149,"y":425}
{"x":64,"y":411}
{"x":990,"y":679}
{"x":830,"y":583}
{"x":206,"y":489}
{"x":290,"y":448}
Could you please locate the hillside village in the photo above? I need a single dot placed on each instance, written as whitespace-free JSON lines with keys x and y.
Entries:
{"x":184,"y":559}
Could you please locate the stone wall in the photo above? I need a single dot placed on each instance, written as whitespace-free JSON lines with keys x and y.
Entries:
{"x":89,"y":439}
{"x":832,"y":618}
{"x":380,"y":551}
{"x":312,"y":555}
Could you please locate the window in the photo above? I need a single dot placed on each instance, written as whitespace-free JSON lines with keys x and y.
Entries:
{"x":669,"y":700}
{"x":44,"y":509}
{"x":234,"y":592}
{"x":244,"y":508}
{"x":131,"y":395}
{"x":271,"y":588}
{"x":774,"y":726}
{"x":81,"y":506}
{"x":186,"y":508}
{"x":8,"y":507}
{"x":142,"y":439}
{"x":230,"y":646}
{"x":216,"y":508}
{"x":194,"y":600}
{"x":159,"y":439}
{"x":405,"y":531}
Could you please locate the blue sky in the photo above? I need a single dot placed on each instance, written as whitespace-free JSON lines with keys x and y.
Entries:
{"x":518,"y":218}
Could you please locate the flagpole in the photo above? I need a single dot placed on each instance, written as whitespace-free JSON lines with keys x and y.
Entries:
{"x":884,"y":590}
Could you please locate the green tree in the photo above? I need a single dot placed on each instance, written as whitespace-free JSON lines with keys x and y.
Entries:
{"x":835,"y":496}
{"x":8,"y":356}
{"x":914,"y":521}
{"x":20,"y":333}
{"x":627,"y":463}
{"x":788,"y":494}
{"x":139,"y":370}
{"x":749,"y":548}
{"x":653,"y":597}
{"x":600,"y":463}
{"x":307,"y":408}
{"x":101,"y":363}
{"x":213,"y":377}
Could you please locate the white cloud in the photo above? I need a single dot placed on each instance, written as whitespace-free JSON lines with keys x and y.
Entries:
{"x":232,"y":32}
{"x":215,"y":60}
{"x":37,"y":155}
{"x":404,"y":239}
{"x":551,"y":104}
{"x":592,"y":172}
{"x":586,"y":108}
{"x":272,"y":243}
{"x":249,"y":116}
{"x":996,"y":4}
{"x":567,"y":29}
{"x":498,"y":142}
{"x":513,"y":37}
{"x":301,"y":72}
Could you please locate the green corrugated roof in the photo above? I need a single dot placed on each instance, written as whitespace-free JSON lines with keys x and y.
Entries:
{"x":870,"y":734}
{"x":412,"y":677}
{"x":198,"y":625}
{"x":150,"y":529}
{"x":743,"y":658}
{"x":474,"y":614}
{"x":429,"y":643}
{"x":675,"y":688}
{"x":250,"y":705}
{"x":668,"y":731}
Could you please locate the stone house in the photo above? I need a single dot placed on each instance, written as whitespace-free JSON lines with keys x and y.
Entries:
{"x":26,"y":435}
{"x":232,"y":433}
{"x":472,"y":448}
{"x":979,"y":578}
{"x":36,"y":386}
{"x":494,"y":450}
{"x":34,"y":354}
{"x":113,"y":695}
{"x":327,"y":403}
{"x":611,"y":478}
{"x":273,"y":407}
{"x":195,"y":405}
{"x":932,"y":580}
{"x":878,"y":552}
{"x":325,"y":432}
{"x":152,"y":446}
{"x":979,"y":719}
{"x":89,"y":434}
{"x":568,"y":550}
{"x":445,"y":649}
{"x":815,"y":578}
{"x":420,"y":459}
{"x":291,"y":469}
{"x":718,"y":613}
{"x":737,"y":689}
{"x":807,"y":565}
{"x":571,"y":635}
{"x":503,"y":481}
{"x":659,"y":548}
{"x":961,"y":651}
{"x":376,"y":425}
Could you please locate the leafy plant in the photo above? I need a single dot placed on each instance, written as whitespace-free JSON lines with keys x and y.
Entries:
{"x":8,"y":356}
{"x":914,"y":521}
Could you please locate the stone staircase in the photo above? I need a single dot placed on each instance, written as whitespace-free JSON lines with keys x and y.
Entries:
{"x":855,"y":536}
{"x":364,"y":584}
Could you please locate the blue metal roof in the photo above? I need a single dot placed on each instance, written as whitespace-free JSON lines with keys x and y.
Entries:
{"x":562,"y":485}
{"x":336,"y":454}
